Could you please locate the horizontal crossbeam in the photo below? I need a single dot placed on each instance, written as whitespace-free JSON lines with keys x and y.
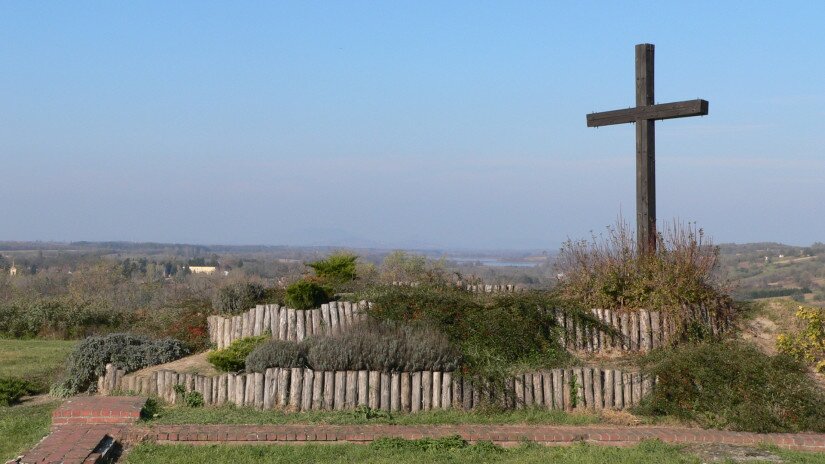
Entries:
{"x":680,"y":109}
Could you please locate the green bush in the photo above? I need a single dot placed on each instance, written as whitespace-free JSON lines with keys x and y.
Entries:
{"x":192,"y":399}
{"x":336,"y":268}
{"x":306,"y":294}
{"x":12,"y":389}
{"x":733,"y":385}
{"x":239,"y":297}
{"x":495,"y":333}
{"x":367,"y":346}
{"x":233,"y":357}
{"x":126,"y":351}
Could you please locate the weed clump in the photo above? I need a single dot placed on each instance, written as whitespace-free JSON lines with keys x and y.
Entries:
{"x":733,"y":385}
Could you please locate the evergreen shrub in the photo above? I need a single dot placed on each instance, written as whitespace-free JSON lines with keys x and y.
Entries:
{"x":126,"y":351}
{"x":13,"y":388}
{"x":733,"y":385}
{"x":306,"y":294}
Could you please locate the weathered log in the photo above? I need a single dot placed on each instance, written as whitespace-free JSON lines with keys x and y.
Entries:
{"x":587,"y":384}
{"x":283,"y":324}
{"x":240,"y":389}
{"x":627,"y":388}
{"x":446,"y":390}
{"x":340,"y":389}
{"x":598,"y":393}
{"x":267,"y":319}
{"x":306,"y":393}
{"x":558,"y":389}
{"x":529,"y":393}
{"x":406,"y":392}
{"x":618,"y":389}
{"x":395,"y":391}
{"x":637,"y":388}
{"x":645,"y":341}
{"x":301,"y":326}
{"x":269,"y":396}
{"x":386,"y":391}
{"x":426,"y":390}
{"x":329,"y":390}
{"x":318,"y":391}
{"x":363,"y":388}
{"x":284,"y":386}
{"x":333,"y":318}
{"x":291,"y":325}
{"x":538,"y":389}
{"x":634,"y":331}
{"x":608,"y":389}
{"x":436,"y":391}
{"x":625,"y":318}
{"x":578,"y":374}
{"x":325,"y":318}
{"x":296,"y":388}
{"x":259,"y":320}
{"x":415,"y":404}
{"x":655,"y":330}
{"x":374,"y":399}
{"x":351,"y":398}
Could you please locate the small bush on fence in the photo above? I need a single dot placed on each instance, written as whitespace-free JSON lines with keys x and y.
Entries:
{"x":733,"y":385}
{"x":306,"y":294}
{"x":238,"y":297}
{"x":808,"y":345}
{"x":125,"y":351}
{"x":337,"y":268}
{"x":12,"y":389}
{"x":233,"y":357}
{"x":368,"y":346}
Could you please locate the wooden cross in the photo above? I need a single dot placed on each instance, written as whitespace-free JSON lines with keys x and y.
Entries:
{"x":644,"y":115}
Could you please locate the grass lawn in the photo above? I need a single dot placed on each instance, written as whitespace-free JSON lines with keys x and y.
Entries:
{"x":39,"y":361}
{"x":22,"y":426}
{"x":397,"y":451}
{"x":235,"y":415}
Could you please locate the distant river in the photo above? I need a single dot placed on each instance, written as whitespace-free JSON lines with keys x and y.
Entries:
{"x":492,"y":262}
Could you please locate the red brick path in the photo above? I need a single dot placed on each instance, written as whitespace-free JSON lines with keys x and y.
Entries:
{"x":83,"y":426}
{"x":501,"y":434}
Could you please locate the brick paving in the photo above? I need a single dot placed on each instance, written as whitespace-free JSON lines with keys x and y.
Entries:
{"x":501,"y":434}
{"x":83,"y":427}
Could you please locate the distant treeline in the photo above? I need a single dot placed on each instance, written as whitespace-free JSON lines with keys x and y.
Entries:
{"x":776,"y":292}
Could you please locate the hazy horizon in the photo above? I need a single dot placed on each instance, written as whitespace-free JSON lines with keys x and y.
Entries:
{"x":408,"y":125}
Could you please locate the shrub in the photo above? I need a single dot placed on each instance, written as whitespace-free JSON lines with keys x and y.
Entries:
{"x":367,"y":346}
{"x":305,"y":294}
{"x":809,"y":345}
{"x":238,"y":297}
{"x":13,"y":388}
{"x":494,"y":333}
{"x":336,"y":268}
{"x":126,"y":351}
{"x":276,"y":353}
{"x":59,"y":317}
{"x":233,"y":357}
{"x":192,"y":399}
{"x":678,"y":277}
{"x":733,"y":385}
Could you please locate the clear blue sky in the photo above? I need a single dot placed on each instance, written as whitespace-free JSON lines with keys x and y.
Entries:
{"x":457,"y":124}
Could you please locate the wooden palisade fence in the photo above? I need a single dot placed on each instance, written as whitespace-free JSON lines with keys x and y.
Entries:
{"x":633,"y":330}
{"x":298,"y":389}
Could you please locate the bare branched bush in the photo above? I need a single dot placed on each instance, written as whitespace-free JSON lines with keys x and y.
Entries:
{"x":608,"y":271}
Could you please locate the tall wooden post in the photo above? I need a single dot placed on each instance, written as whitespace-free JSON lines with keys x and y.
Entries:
{"x":645,"y":153}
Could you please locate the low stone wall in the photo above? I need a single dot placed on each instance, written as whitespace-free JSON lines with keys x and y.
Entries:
{"x":298,"y":389}
{"x":285,"y":323}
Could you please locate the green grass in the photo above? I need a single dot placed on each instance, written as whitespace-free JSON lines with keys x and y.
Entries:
{"x":39,"y":361}
{"x":402,"y":451}
{"x":235,"y":415}
{"x":22,"y":426}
